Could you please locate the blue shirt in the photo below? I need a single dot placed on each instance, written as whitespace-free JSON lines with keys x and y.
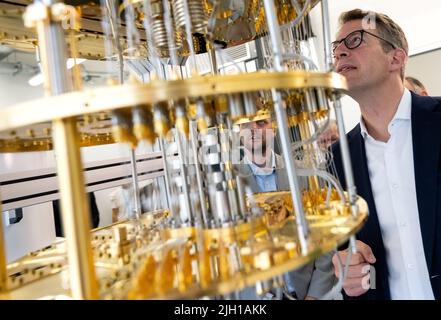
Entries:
{"x":267,"y":183}
{"x":266,"y":178}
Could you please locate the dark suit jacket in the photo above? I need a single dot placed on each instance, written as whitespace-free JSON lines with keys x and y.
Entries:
{"x":426,"y":136}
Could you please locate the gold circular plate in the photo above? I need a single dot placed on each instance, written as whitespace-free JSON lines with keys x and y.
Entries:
{"x":130,"y":95}
{"x":92,"y":131}
{"x":263,"y":257}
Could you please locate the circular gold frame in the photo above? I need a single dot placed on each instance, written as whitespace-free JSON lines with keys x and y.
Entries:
{"x":116,"y":97}
{"x":325,"y":235}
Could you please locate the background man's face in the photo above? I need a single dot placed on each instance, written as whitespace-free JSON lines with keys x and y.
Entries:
{"x":257,"y":135}
{"x":410,"y":86}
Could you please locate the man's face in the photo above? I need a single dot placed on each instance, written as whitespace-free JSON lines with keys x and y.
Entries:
{"x":365,"y":66}
{"x":257,"y":135}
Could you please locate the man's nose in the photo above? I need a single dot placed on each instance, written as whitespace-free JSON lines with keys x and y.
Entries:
{"x":341,"y":51}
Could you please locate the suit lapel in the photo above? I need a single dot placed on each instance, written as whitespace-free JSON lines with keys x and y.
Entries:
{"x":371,"y":231}
{"x":426,"y":135}
{"x":364,"y":189}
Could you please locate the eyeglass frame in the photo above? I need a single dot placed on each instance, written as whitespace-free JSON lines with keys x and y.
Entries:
{"x":362,"y":31}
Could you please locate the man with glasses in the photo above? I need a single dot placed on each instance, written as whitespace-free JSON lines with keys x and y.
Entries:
{"x":264,"y":171}
{"x":395,"y":154}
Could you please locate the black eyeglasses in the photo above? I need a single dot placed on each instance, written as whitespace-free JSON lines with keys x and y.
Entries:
{"x":355,"y":38}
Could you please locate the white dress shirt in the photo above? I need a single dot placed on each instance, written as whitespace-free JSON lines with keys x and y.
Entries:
{"x":391,"y":171}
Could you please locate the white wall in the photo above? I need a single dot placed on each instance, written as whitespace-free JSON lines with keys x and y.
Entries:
{"x":14,"y":89}
{"x":36,"y":229}
{"x":427,"y":68}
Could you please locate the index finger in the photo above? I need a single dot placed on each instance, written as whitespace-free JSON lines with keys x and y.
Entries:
{"x":356,"y":258}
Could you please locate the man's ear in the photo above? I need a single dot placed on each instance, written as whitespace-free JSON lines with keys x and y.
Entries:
{"x":399,"y":59}
{"x":424,"y":93}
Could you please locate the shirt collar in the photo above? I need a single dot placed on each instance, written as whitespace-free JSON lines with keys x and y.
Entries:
{"x":403,"y":112}
{"x":258,"y":171}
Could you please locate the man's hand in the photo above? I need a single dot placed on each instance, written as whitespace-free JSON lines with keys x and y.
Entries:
{"x":354,"y":285}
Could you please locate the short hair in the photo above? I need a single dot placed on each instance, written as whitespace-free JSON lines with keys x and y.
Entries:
{"x":386,"y":27}
{"x":416,"y":83}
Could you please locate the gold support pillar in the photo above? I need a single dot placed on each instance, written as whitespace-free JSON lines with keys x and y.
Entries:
{"x":47,"y":16}
{"x":75,"y":210}
{"x":3,"y":270}
{"x":305,"y":133}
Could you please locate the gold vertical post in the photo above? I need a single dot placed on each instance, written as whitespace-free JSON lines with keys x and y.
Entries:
{"x":75,"y":210}
{"x":3,"y":270}
{"x":305,"y":133}
{"x":46,"y":17}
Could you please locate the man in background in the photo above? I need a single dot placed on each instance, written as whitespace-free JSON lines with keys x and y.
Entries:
{"x":264,"y":171}
{"x":415,"y":86}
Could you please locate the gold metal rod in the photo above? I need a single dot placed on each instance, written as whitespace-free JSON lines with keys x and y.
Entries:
{"x":74,"y":205}
{"x":305,"y":134}
{"x":3,"y":270}
{"x":75,"y":210}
